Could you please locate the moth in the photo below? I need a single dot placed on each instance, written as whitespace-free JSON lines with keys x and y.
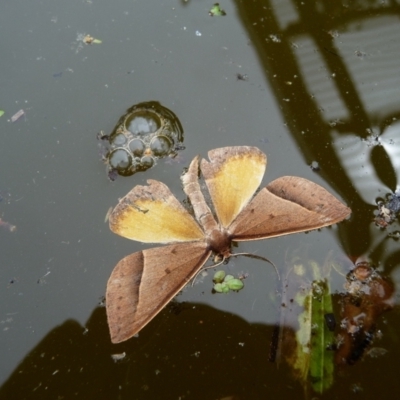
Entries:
{"x":142,"y":283}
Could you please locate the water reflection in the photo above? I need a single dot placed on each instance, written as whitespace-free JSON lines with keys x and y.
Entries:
{"x":333,"y":67}
{"x":334,"y":70}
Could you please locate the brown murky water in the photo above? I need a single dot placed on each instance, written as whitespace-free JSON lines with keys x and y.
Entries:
{"x":309,"y":84}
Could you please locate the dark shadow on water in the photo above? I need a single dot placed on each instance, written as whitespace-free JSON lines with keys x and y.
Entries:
{"x":190,"y":351}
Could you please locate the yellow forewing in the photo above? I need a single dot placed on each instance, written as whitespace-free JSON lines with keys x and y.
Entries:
{"x":232,"y":176}
{"x":152,"y":214}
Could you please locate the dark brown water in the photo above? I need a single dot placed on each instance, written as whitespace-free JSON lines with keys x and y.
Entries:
{"x":303,"y":82}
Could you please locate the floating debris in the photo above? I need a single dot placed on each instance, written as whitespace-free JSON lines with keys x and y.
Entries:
{"x":17,"y":115}
{"x":118,"y":357}
{"x":333,"y":33}
{"x":242,"y":77}
{"x":8,"y":226}
{"x":42,"y":281}
{"x":216,"y":11}
{"x":376,"y":352}
{"x":394,"y":203}
{"x":90,"y":39}
{"x":372,"y":140}
{"x":315,"y":166}
{"x":275,"y":38}
{"x":360,"y":54}
{"x":11,"y":282}
{"x":102,"y":301}
{"x":225,"y":283}
{"x":335,"y":122}
{"x":387,"y":211}
{"x":5,"y":196}
{"x":367,"y":296}
{"x":356,"y":388}
{"x":243,"y":275}
{"x":109,"y":211}
{"x":83,"y":39}
{"x":395,"y":235}
{"x":146,"y":133}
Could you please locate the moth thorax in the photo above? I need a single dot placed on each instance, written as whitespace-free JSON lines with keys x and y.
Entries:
{"x":220,"y":242}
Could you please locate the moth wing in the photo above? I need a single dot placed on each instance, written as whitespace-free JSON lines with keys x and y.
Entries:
{"x":142,"y":283}
{"x":287,"y":205}
{"x":232,"y":175}
{"x":152,"y":214}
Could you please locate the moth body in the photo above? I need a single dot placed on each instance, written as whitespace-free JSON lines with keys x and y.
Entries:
{"x":219,"y":242}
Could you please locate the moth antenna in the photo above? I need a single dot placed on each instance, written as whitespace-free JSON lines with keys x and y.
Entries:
{"x":258,"y":258}
{"x":209,"y":267}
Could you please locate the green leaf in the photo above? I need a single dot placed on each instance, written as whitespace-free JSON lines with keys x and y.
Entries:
{"x":218,"y":287}
{"x":216,"y":11}
{"x":229,"y":278}
{"x":321,"y":366}
{"x":221,"y":288}
{"x":235,"y":284}
{"x":219,"y":277}
{"x":1,"y":113}
{"x":314,"y":362}
{"x":308,"y":353}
